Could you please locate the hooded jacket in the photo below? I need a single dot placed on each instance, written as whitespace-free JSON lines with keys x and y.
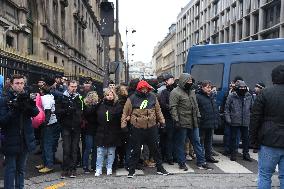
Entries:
{"x":143,"y":109}
{"x":267,"y":117}
{"x":183,"y":104}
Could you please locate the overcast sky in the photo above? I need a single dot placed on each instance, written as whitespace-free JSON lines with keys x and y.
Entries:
{"x":151,"y":19}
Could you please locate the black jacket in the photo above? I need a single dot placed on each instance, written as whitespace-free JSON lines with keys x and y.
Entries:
{"x":69,"y":111}
{"x":108,"y":124}
{"x":17,"y":126}
{"x":267,"y":118}
{"x":90,"y":118}
{"x":165,"y":103}
{"x":210,"y":118}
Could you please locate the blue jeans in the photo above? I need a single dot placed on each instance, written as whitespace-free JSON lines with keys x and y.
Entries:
{"x":48,"y":145}
{"x":89,"y":147}
{"x":268,"y":158}
{"x":15,"y":170}
{"x":170,"y":139}
{"x":193,"y":135}
{"x":235,"y":131}
{"x":227,"y":138}
{"x":101,"y":153}
{"x":179,"y":143}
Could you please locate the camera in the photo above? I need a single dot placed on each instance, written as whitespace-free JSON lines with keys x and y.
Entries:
{"x":22,"y":102}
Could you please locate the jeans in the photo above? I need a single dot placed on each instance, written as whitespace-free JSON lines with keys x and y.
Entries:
{"x":268,"y":158}
{"x":101,"y":153}
{"x":71,"y":140}
{"x":193,"y":135}
{"x":48,"y":145}
{"x":141,"y":136}
{"x":227,"y":138}
{"x":170,"y":139}
{"x":234,"y":139}
{"x":206,"y":136}
{"x":56,"y":135}
{"x":179,"y":144}
{"x":89,"y":147}
{"x":15,"y":170}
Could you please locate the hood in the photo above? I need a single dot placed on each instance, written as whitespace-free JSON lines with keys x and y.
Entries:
{"x":241,"y":83}
{"x":183,"y":79}
{"x":143,"y":84}
{"x":278,"y":75}
{"x":66,"y":93}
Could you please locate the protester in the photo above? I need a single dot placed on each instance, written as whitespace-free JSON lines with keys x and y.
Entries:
{"x":108,"y":135}
{"x":16,"y":110}
{"x":266,"y":130}
{"x":143,"y":111}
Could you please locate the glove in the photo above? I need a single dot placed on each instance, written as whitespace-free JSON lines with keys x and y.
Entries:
{"x":176,"y":124}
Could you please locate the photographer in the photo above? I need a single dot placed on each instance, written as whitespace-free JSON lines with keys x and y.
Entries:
{"x":69,"y":110}
{"x":16,"y":110}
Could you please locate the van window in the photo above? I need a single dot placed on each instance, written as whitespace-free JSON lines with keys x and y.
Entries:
{"x":212,"y":72}
{"x":253,"y":73}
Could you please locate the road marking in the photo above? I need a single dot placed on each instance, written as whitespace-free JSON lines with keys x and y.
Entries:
{"x":55,"y":186}
{"x":123,"y":172}
{"x":175,"y":169}
{"x":228,"y":166}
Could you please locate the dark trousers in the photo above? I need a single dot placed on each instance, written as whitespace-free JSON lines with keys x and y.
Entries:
{"x":234,"y":137}
{"x":71,"y":140}
{"x":170,"y":130}
{"x":206,"y":137}
{"x":140,"y":136}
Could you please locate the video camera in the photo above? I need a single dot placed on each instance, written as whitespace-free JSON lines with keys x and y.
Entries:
{"x":22,"y":102}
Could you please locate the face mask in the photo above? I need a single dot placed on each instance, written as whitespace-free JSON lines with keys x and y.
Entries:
{"x":241,"y":92}
{"x":171,"y":87}
{"x":188,"y":86}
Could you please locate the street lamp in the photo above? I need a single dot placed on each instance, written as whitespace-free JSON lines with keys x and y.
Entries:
{"x":127,"y":55}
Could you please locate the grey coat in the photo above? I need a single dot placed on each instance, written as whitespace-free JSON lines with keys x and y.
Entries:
{"x":237,"y":109}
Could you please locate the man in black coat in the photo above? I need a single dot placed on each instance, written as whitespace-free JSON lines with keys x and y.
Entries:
{"x":16,"y":110}
{"x":267,"y":129}
{"x":209,"y":118}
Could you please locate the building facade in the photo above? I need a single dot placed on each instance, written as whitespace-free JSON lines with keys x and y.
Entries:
{"x":225,"y":21}
{"x":164,"y":56}
{"x":64,"y":33}
{"x":140,"y":70}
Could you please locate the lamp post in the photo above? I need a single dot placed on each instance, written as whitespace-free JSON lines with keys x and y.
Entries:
{"x":127,"y":56}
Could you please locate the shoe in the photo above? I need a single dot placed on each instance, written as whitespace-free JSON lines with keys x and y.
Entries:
{"x":189,"y":158}
{"x":98,"y":173}
{"x":109,"y":171}
{"x":73,"y":174}
{"x":41,"y":166}
{"x":226,"y":153}
{"x":255,"y":151}
{"x":233,"y":157}
{"x":213,"y":153}
{"x":161,"y":171}
{"x":247,"y":158}
{"x":183,"y":166}
{"x":131,"y":174}
{"x":86,"y":171}
{"x":205,"y":167}
{"x":170,"y":162}
{"x":64,"y":174}
{"x":45,"y":170}
{"x":212,"y":160}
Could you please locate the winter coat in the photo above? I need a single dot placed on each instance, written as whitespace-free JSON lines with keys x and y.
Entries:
{"x":183,"y":104}
{"x":17,"y":127}
{"x":90,"y":117}
{"x":69,"y":111}
{"x":210,"y":118}
{"x":237,"y":109}
{"x":165,"y":103}
{"x":267,"y":118}
{"x":108,"y":124}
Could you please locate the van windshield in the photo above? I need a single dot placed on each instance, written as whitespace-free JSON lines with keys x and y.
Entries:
{"x":253,"y":73}
{"x":212,"y":72}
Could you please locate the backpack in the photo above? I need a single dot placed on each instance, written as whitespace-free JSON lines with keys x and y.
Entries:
{"x":40,"y":118}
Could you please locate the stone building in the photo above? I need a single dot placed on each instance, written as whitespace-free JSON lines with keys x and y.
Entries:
{"x":64,"y":33}
{"x":225,"y":21}
{"x":164,"y":53}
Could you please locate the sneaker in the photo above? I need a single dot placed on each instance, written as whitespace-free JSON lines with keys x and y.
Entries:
{"x":205,"y":167}
{"x":98,"y":173}
{"x":109,"y":171}
{"x":183,"y":166}
{"x":162,"y":171}
{"x":189,"y":158}
{"x":45,"y":170}
{"x":64,"y":174}
{"x":211,"y":160}
{"x":73,"y":174}
{"x":86,"y":171}
{"x":41,"y":166}
{"x":131,"y":174}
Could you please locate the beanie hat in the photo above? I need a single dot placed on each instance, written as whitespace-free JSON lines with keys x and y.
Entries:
{"x":168,"y":76}
{"x":260,"y":85}
{"x":143,"y":84}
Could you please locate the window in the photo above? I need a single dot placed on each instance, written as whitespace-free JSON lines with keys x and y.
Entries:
{"x":55,"y":16}
{"x":9,"y":41}
{"x":212,"y":72}
{"x":272,"y":16}
{"x":55,"y":59}
{"x":47,"y":56}
{"x":254,"y":72}
{"x":63,"y":22}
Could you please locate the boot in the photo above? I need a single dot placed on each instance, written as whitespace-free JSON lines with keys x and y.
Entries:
{"x":247,"y":157}
{"x":233,"y":156}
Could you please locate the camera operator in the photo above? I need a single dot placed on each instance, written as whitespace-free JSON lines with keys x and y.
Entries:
{"x":16,"y":110}
{"x":69,"y":110}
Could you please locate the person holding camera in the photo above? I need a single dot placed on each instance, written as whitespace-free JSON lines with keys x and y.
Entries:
{"x":69,"y":111}
{"x":16,"y":110}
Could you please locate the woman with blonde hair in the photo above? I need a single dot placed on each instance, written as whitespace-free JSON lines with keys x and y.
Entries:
{"x":108,"y":135}
{"x":90,"y":103}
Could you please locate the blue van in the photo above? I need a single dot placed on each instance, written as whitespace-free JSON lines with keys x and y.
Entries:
{"x":221,"y":63}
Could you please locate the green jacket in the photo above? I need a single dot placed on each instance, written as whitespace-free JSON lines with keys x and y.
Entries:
{"x":183,"y":104}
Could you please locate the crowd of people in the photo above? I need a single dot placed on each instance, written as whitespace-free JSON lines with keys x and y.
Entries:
{"x":144,"y":123}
